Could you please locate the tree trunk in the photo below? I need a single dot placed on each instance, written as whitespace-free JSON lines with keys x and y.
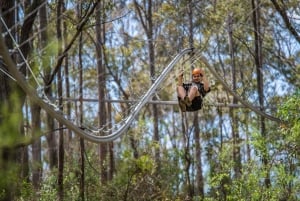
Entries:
{"x":67,"y":82}
{"x":51,"y":137}
{"x":12,"y":155}
{"x":260,"y":84}
{"x":198,"y":160}
{"x":36,"y":119}
{"x":187,"y":161}
{"x":81,"y":111}
{"x":60,"y":177}
{"x":150,"y":40}
{"x":199,"y":183}
{"x":100,"y":33}
{"x":110,"y":146}
{"x":37,"y":167}
{"x":234,"y":125}
{"x":145,"y":16}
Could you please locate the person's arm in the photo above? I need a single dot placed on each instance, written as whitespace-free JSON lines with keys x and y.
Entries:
{"x":180,"y":79}
{"x":205,"y":82}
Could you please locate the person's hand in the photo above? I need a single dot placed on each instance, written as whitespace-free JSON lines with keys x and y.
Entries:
{"x":181,"y":73}
{"x":202,"y":72}
{"x":180,"y":78}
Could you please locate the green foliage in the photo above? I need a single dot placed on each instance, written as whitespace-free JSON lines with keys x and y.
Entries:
{"x":145,"y":163}
{"x":8,"y":178}
{"x":250,"y":185}
{"x":11,"y":119}
{"x":140,"y":177}
{"x":48,"y":190}
{"x":27,"y":192}
{"x":43,"y":63}
{"x":290,"y":113}
{"x":259,"y":143}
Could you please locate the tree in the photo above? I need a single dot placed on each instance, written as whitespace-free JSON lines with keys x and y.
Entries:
{"x":8,"y":154}
{"x":260,"y":85}
{"x":144,"y":13}
{"x":12,"y":153}
{"x":234,"y":125}
{"x":101,"y":71}
{"x":100,"y":52}
{"x":61,"y":155}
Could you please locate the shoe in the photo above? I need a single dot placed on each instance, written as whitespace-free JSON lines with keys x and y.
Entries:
{"x":187,"y":101}
{"x":182,"y":105}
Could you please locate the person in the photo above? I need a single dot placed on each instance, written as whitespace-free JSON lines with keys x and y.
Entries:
{"x":190,"y":95}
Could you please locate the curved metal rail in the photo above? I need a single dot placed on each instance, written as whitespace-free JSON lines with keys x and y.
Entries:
{"x":32,"y":94}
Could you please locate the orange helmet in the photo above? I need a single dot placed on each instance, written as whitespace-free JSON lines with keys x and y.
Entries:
{"x":197,"y":71}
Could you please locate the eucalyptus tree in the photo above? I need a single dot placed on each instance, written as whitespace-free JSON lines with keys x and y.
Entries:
{"x":11,"y":153}
{"x":144,"y":12}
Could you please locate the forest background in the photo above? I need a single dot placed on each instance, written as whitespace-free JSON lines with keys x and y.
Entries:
{"x":93,"y":61}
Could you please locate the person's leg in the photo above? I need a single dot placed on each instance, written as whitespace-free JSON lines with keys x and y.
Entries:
{"x":181,"y":92}
{"x":193,"y":92}
{"x":183,"y":96}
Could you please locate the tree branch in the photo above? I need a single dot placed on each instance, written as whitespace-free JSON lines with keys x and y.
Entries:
{"x":64,"y":53}
{"x":286,"y":20}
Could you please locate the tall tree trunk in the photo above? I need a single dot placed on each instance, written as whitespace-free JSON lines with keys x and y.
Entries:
{"x":150,"y":40}
{"x":60,"y":176}
{"x":100,"y":33}
{"x":51,"y":137}
{"x":234,"y":125}
{"x":35,"y":111}
{"x":199,"y":183}
{"x":187,"y":160}
{"x":198,"y":159}
{"x":110,"y":146}
{"x":81,"y":111}
{"x":145,"y":16}
{"x":26,"y":30}
{"x":36,"y":147}
{"x":82,"y":168}
{"x":12,"y":158}
{"x":24,"y":152}
{"x":67,"y":81}
{"x":260,"y":85}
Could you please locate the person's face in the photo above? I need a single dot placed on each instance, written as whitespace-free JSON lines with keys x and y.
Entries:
{"x":197,"y":77}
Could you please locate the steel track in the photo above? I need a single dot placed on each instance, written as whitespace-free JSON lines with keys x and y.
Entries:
{"x":99,"y":136}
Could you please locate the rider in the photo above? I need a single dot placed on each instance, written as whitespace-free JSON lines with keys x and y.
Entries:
{"x":190,"y":95}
